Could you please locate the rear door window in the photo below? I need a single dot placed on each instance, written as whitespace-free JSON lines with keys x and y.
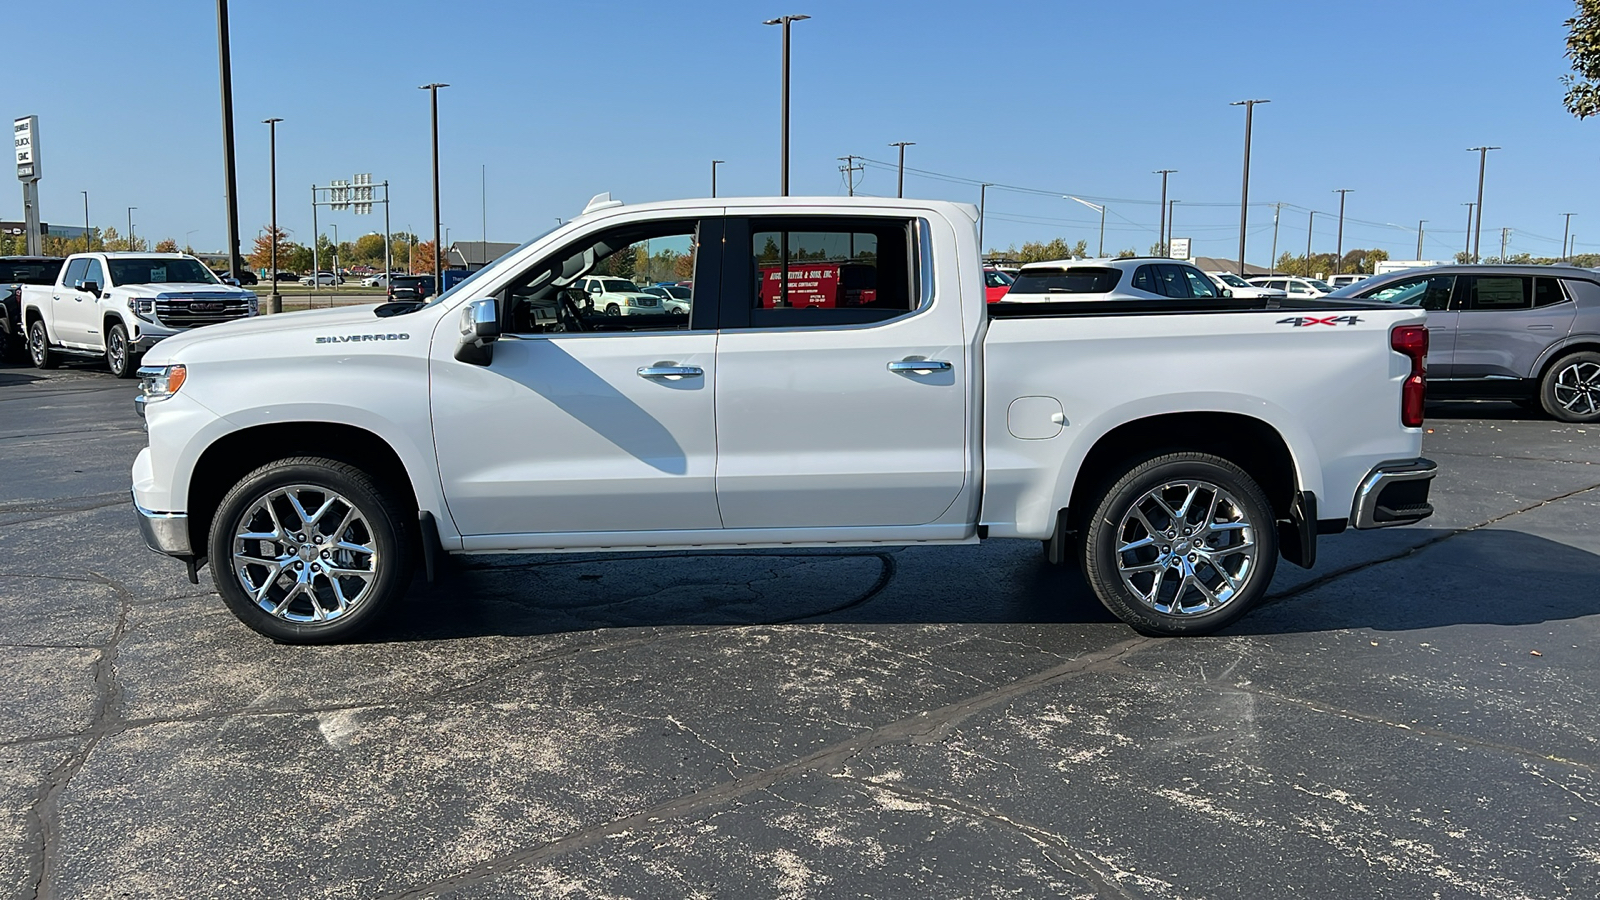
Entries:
{"x":1547,"y":292}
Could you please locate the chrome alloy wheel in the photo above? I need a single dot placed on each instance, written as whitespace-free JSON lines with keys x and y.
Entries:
{"x":305,"y":554}
{"x":1577,"y":388}
{"x":1186,"y":548}
{"x":117,"y":355}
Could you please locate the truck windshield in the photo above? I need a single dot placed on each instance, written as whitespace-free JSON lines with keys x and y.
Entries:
{"x":160,"y":271}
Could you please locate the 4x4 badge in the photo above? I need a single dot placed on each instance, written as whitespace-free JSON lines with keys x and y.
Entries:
{"x":1302,"y":321}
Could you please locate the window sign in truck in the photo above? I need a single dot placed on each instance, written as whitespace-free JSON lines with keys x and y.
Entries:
{"x":1174,"y":449}
{"x":118,"y":305}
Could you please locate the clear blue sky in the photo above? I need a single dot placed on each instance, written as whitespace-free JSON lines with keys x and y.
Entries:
{"x":560,"y":101}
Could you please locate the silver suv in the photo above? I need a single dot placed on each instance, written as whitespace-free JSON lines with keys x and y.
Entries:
{"x":1525,"y":333}
{"x":1130,"y":278}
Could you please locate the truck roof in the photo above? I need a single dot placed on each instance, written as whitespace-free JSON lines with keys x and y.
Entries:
{"x":799,"y":203}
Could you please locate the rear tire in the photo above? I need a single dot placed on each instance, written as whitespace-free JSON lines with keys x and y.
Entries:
{"x":1192,"y":518}
{"x":310,"y":550}
{"x":1570,"y":390}
{"x":120,"y":358}
{"x":39,"y":347}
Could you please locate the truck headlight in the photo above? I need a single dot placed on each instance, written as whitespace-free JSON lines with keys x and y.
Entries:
{"x":143,"y":308}
{"x":161,"y":382}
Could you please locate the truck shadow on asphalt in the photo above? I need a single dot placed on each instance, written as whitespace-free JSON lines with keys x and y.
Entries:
{"x":1490,"y":577}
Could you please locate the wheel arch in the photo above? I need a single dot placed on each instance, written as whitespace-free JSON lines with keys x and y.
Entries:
{"x":229,"y":458}
{"x":1583,"y":343}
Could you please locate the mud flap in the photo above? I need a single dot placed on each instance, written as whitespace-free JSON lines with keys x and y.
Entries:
{"x":1297,"y":535}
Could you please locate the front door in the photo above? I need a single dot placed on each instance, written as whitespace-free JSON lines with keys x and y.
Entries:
{"x":72,"y":309}
{"x":841,"y":380}
{"x":584,"y":422}
{"x":1432,"y":293}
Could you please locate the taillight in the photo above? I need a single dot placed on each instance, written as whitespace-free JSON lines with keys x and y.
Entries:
{"x":1412,"y":342}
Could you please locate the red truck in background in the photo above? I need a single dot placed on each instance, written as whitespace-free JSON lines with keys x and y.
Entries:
{"x":819,"y":285}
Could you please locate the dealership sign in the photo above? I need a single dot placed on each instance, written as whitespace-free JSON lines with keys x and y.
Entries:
{"x":25,"y":132}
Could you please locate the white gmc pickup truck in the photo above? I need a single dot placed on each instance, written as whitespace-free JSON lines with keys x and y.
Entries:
{"x":838,"y":380}
{"x":118,"y":305}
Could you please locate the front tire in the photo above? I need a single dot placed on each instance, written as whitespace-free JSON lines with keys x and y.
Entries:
{"x":1570,"y":390}
{"x":309,"y":551}
{"x":39,"y":347}
{"x":613,"y":309}
{"x":1182,"y":544}
{"x":119,"y":352}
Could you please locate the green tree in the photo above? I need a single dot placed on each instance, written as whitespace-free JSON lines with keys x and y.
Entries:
{"x":1583,"y":49}
{"x":1128,"y":253}
{"x":167,"y":245}
{"x":367,"y":249}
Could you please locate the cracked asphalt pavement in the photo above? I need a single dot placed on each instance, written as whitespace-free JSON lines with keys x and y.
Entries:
{"x":1417,"y":717}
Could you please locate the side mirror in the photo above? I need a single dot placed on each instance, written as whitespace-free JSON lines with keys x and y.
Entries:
{"x":480,"y":328}
{"x":1227,"y":293}
{"x":89,"y":286}
{"x":229,"y":279}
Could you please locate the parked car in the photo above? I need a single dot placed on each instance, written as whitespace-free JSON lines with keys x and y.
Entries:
{"x":674,"y":299}
{"x":376,"y":279}
{"x":1301,"y":288}
{"x":285,"y":276}
{"x":1339,"y":281}
{"x":614,"y":296}
{"x":322,"y":278}
{"x":411,"y":287}
{"x":1242,"y":289}
{"x":1129,"y":278}
{"x":119,"y":305}
{"x":1175,"y":454}
{"x":995,"y":284}
{"x":16,"y":271}
{"x":1525,"y":333}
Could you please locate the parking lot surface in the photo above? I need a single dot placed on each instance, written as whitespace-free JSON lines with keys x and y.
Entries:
{"x":1419,"y":716}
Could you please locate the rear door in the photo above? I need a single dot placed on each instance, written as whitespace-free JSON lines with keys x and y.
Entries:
{"x":848,"y":415}
{"x":1506,"y":322}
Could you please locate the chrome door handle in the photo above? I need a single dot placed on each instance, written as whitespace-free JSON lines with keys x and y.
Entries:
{"x":670,"y":371}
{"x":919,"y":365}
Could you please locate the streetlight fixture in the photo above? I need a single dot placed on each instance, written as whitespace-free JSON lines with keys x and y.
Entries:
{"x":1338,"y":253}
{"x":783,"y":158}
{"x":85,"y":220}
{"x":275,"y":299}
{"x":901,"y":192}
{"x":1244,"y":191}
{"x":714,"y":164}
{"x":1477,"y":229}
{"x":1565,"y":231}
{"x":1161,"y":229}
{"x":225,"y":70}
{"x":433,"y":95}
{"x":1102,"y":211}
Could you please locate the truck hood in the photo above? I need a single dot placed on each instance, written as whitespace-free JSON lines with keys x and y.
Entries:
{"x":344,"y":322}
{"x":171,"y":291}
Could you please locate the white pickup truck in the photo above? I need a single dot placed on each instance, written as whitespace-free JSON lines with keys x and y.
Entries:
{"x":118,"y":305}
{"x":839,"y":380}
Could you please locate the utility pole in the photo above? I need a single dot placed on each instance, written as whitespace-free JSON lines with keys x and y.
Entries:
{"x":1161,"y":228}
{"x":1565,"y":230}
{"x":1483,"y":158}
{"x":1505,"y":233}
{"x":1277,"y":213}
{"x":1338,"y":254}
{"x":231,"y":189}
{"x":1468,"y":251}
{"x":850,"y":169}
{"x":783,"y":158}
{"x":86,"y":247}
{"x":275,"y":299}
{"x":901,"y":191}
{"x":1171,"y":205}
{"x":1419,"y":237}
{"x":438,"y":251}
{"x":714,"y":164}
{"x":1311,"y":225}
{"x":983,"y":199}
{"x":130,"y":226}
{"x":1244,"y":192}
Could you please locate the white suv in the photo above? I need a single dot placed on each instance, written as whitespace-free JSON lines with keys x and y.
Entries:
{"x":1129,"y":278}
{"x":614,"y":296}
{"x":1242,"y":289}
{"x":1303,"y":288}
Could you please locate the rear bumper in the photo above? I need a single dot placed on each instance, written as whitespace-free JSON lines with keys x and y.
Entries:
{"x":164,"y":532}
{"x":1394,"y":493}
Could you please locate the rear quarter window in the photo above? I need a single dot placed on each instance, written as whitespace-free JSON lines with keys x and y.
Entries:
{"x":1077,"y":280}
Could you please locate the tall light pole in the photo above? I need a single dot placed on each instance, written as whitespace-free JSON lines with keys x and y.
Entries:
{"x":783,"y":139}
{"x":1477,"y":229}
{"x":85,"y":220}
{"x":983,"y":200}
{"x":1161,"y":229}
{"x":1244,"y":191}
{"x":1468,"y":251}
{"x":1419,"y":237}
{"x":1311,"y":225}
{"x":1565,"y":231}
{"x":1338,"y":253}
{"x":714,"y":164}
{"x":901,"y":192}
{"x":130,"y":226}
{"x":1272,"y":263}
{"x":1102,"y":211}
{"x":225,"y":70}
{"x":275,"y":299}
{"x":438,"y":257}
{"x":1171,"y":207}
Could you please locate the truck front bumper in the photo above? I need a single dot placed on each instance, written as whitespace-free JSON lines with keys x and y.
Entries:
{"x":1394,"y":493}
{"x":164,"y":532}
